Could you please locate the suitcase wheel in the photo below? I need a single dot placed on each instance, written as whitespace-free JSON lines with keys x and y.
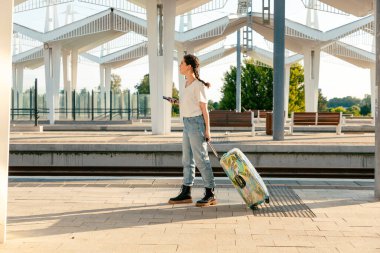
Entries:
{"x":254,"y":207}
{"x":267,"y":200}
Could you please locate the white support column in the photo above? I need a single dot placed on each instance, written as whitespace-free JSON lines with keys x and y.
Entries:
{"x":107,"y":79}
{"x":102,"y":86}
{"x":373,"y":92}
{"x":19,"y":85}
{"x":55,"y":13}
{"x":69,"y":14}
{"x":311,"y":72}
{"x":51,"y":18}
{"x":188,"y":23}
{"x":5,"y":88}
{"x":312,"y":17}
{"x":56,"y":74}
{"x":74,"y":69}
{"x":160,"y":64}
{"x":101,"y":75}
{"x":151,"y":10}
{"x":65,"y":69}
{"x":67,"y":79}
{"x":47,"y":19}
{"x":181,"y":78}
{"x":286,"y":89}
{"x":311,"y":84}
{"x":182,"y":23}
{"x":168,"y":41}
{"x":49,"y":81}
{"x":14,"y":83}
{"x":52,"y":58}
{"x":107,"y":82}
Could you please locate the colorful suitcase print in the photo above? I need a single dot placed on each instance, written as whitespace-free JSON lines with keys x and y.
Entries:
{"x":244,"y":177}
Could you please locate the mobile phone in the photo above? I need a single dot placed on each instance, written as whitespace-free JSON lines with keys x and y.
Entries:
{"x":167,"y":98}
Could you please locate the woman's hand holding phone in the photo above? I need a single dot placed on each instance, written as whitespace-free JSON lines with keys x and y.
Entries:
{"x":171,"y":100}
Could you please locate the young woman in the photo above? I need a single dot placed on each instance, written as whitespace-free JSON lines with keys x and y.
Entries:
{"x":196,"y":133}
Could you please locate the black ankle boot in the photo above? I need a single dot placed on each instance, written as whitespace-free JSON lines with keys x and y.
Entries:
{"x":208,"y":199}
{"x":183,"y":197}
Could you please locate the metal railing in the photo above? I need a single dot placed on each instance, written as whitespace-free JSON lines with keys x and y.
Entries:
{"x":84,"y":105}
{"x":37,"y":4}
{"x":318,"y":5}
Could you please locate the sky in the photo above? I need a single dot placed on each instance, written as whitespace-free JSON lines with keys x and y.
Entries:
{"x":337,"y":78}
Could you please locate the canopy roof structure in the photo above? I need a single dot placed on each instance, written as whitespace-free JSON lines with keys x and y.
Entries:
{"x":121,"y":57}
{"x":85,"y":34}
{"x":89,"y":32}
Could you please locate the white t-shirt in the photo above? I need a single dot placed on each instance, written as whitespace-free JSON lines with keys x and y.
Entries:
{"x":192,"y":95}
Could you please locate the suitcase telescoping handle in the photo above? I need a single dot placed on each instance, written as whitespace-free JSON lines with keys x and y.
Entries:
{"x":213,"y":149}
{"x":239,"y":180}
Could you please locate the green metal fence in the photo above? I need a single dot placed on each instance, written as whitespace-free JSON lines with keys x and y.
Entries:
{"x":81,"y":105}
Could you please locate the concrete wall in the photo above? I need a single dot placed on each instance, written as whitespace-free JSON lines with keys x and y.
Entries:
{"x":169,"y":155}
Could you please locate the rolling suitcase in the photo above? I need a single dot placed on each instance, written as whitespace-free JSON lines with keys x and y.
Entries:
{"x":244,"y":177}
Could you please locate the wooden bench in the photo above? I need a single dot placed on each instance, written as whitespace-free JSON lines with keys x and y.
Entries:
{"x":317,"y":119}
{"x":224,"y":118}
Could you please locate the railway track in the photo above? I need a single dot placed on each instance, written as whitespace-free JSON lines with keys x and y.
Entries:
{"x":355,"y":173}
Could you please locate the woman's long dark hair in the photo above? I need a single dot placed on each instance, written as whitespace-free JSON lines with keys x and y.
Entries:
{"x":194,"y":62}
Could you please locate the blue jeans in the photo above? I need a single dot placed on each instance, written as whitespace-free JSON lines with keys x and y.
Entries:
{"x":194,"y":152}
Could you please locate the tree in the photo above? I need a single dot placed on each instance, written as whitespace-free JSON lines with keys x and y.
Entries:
{"x":228,"y":90}
{"x":296,"y":89}
{"x":365,"y":105}
{"x":354,"y":110}
{"x":83,"y":92}
{"x":338,"y":109}
{"x":212,"y":105}
{"x":322,"y":102}
{"x":345,"y":102}
{"x":143,"y":86}
{"x":256,"y":87}
{"x":115,"y":83}
{"x":175,"y":94}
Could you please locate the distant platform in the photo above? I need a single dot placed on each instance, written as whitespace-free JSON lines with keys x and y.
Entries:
{"x":142,"y":125}
{"x":304,"y":154}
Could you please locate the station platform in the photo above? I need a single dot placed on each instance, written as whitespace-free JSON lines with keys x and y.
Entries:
{"x":131,"y":214}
